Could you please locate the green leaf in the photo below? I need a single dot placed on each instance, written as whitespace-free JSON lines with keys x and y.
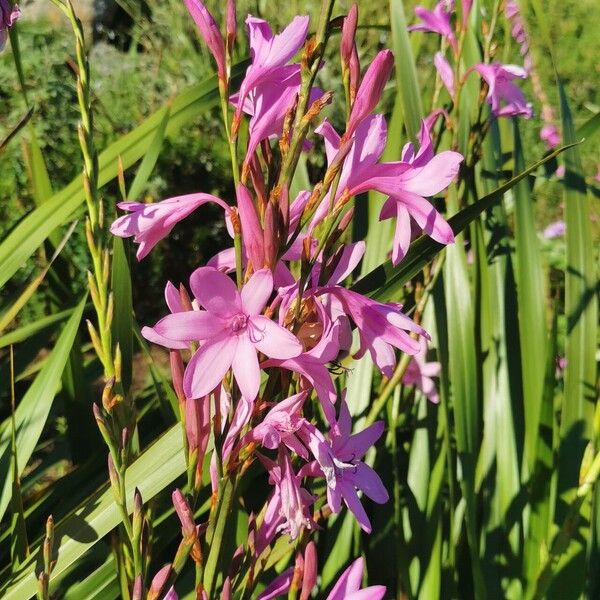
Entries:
{"x":33,"y":410}
{"x":122,"y":326}
{"x":149,"y":162}
{"x":385,"y":282}
{"x":406,"y":76}
{"x":155,"y":469}
{"x":29,"y":234}
{"x":30,"y":329}
{"x":581,"y":311}
{"x":532,"y":307}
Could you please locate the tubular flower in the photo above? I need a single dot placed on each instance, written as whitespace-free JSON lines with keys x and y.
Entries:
{"x":269,"y":52}
{"x":420,"y":373}
{"x":348,"y":586}
{"x":232,"y":332}
{"x":505,"y":98}
{"x":406,"y":182}
{"x":8,"y":17}
{"x":150,"y":223}
{"x":436,"y":21}
{"x":210,"y":32}
{"x":338,"y":460}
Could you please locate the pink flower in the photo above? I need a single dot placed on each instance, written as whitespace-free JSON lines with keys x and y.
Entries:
{"x":232,"y":332}
{"x":554,"y":230}
{"x":420,"y":373}
{"x":210,"y":32}
{"x":8,"y":17}
{"x":406,"y":182}
{"x":338,"y":460}
{"x":502,"y":90}
{"x":370,"y":90}
{"x":445,"y":71}
{"x":348,"y":586}
{"x":279,"y":586}
{"x":436,"y":21}
{"x":287,"y":509}
{"x":150,"y":223}
{"x":550,"y":135}
{"x":280,"y":426}
{"x":269,"y":52}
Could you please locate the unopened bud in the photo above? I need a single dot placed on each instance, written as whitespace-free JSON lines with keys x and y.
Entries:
{"x":226,"y":592}
{"x":48,"y":545}
{"x":354,"y":74}
{"x":114,"y":478}
{"x":348,"y":35}
{"x":271,"y":236}
{"x":230,"y":25}
{"x":158,"y":582}
{"x":138,"y":515}
{"x":184,"y":512}
{"x":309,"y":577}
{"x":177,"y":370}
{"x":138,"y":588}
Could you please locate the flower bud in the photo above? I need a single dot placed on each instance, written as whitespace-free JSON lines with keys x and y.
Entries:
{"x":348,"y":35}
{"x":309,"y":578}
{"x":138,"y":514}
{"x":177,"y":370}
{"x":271,"y":236}
{"x":184,"y":512}
{"x":252,"y":233}
{"x":158,"y":582}
{"x":354,"y":74}
{"x":231,"y":25}
{"x":370,"y":90}
{"x":138,"y":588}
{"x":209,"y":30}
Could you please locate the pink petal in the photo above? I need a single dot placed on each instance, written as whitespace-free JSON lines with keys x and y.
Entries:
{"x":435,"y":176}
{"x":373,"y":592}
{"x":152,"y":336}
{"x":353,"y":503}
{"x":367,"y":480}
{"x":246,"y":369}
{"x":349,"y":581}
{"x":208,"y":366}
{"x":190,"y":325}
{"x":256,"y":293}
{"x":216,"y":292}
{"x":357,"y":445}
{"x":427,"y":217}
{"x":351,"y":256}
{"x":272,"y":339}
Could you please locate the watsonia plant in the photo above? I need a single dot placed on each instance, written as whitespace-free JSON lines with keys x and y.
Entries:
{"x":304,"y":442}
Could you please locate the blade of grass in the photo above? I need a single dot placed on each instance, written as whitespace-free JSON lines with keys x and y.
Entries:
{"x":16,"y":129}
{"x":156,"y":468}
{"x":33,"y":410}
{"x":531,"y":296}
{"x":29,"y":234}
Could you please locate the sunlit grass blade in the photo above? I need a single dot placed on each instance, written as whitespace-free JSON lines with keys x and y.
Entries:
{"x":531,"y":296}
{"x":9,"y":315}
{"x":155,"y":469}
{"x":581,"y":311}
{"x":30,"y":329}
{"x":465,"y":401}
{"x":32,"y":411}
{"x":29,"y":234}
{"x":406,"y":71}
{"x":149,"y":161}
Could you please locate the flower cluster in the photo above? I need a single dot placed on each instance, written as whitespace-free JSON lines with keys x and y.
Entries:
{"x":249,"y":350}
{"x":504,"y":97}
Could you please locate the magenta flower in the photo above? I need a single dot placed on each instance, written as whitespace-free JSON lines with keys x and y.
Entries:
{"x":280,"y":426}
{"x":406,"y":182}
{"x":288,"y":508}
{"x":550,"y":135}
{"x":8,"y":17}
{"x":338,"y":460}
{"x":150,"y":223}
{"x":420,"y":373}
{"x":445,"y":72}
{"x":279,"y":586}
{"x":348,"y":586}
{"x":232,"y":332}
{"x":436,"y":21}
{"x":269,"y":52}
{"x":505,"y":98}
{"x":210,"y":32}
{"x":370,"y":90}
{"x":554,"y":230}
